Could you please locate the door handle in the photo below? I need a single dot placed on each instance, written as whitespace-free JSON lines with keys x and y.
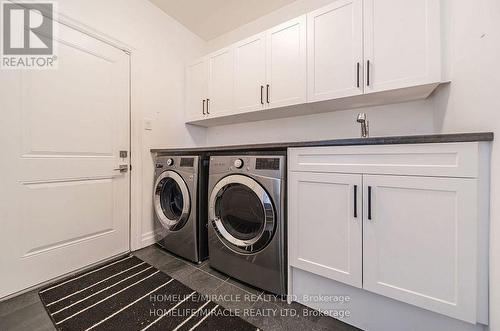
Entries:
{"x":208,"y":111}
{"x":355,"y":201}
{"x":122,"y":168}
{"x":369,"y":203}
{"x":203,"y":106}
{"x":267,"y":93}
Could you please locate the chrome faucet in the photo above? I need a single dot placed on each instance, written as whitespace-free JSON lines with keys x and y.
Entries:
{"x":364,"y":125}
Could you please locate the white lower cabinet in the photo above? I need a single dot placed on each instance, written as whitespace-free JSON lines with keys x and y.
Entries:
{"x":420,"y":242}
{"x":413,"y":238}
{"x":331,"y":203}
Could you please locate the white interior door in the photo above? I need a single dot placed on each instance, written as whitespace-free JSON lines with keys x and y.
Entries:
{"x":325,"y":238}
{"x":62,"y":205}
{"x":220,"y":82}
{"x":196,"y":89}
{"x":286,"y":63}
{"x":250,"y":73}
{"x":420,"y":242}
{"x":401,"y":43}
{"x":335,"y":50}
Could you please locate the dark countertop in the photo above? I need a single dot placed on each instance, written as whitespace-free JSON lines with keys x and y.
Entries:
{"x":281,"y":146}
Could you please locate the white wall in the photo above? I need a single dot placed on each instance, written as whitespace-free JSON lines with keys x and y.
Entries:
{"x":160,"y":48}
{"x":470,"y":103}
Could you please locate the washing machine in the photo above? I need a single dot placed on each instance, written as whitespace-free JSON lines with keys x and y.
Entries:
{"x":246,"y":213}
{"x":180,"y":205}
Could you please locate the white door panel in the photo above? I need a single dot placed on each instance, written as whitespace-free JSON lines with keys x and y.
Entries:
{"x":250,"y":74}
{"x":402,"y":43}
{"x":420,"y":242}
{"x":325,"y":223}
{"x":286,"y":63}
{"x":62,"y":205}
{"x":335,"y":50}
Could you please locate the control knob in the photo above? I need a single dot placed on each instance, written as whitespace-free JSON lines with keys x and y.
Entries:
{"x":170,"y":162}
{"x":238,"y":163}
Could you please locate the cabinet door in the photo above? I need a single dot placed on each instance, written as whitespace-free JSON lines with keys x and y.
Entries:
{"x":286,"y":64}
{"x":220,"y":82}
{"x":335,"y":50}
{"x":325,"y":225}
{"x":250,"y":73}
{"x":419,"y":242}
{"x":402,"y":43}
{"x":196,"y":89}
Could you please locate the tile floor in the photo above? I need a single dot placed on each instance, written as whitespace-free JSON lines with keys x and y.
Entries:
{"x":26,"y":312}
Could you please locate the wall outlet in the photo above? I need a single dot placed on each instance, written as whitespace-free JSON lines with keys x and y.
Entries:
{"x":148,"y":124}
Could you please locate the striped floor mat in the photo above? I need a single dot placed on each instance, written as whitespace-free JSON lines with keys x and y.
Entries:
{"x":129,"y":294}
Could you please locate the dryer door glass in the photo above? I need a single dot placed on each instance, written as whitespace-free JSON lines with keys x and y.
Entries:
{"x":241,"y":212}
{"x":171,"y":200}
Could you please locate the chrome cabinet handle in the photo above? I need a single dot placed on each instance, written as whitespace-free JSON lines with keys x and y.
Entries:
{"x":261,"y":94}
{"x":203,"y":106}
{"x":355,"y":201}
{"x":267,"y":93}
{"x":208,"y":112}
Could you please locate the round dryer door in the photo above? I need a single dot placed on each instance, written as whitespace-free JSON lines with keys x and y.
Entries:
{"x":171,"y":200}
{"x":242,"y":214}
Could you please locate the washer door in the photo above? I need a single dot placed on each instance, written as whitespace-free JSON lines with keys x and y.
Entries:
{"x":171,"y":200}
{"x":242,"y":214}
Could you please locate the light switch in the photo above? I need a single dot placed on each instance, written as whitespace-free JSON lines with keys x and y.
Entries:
{"x":148,"y":124}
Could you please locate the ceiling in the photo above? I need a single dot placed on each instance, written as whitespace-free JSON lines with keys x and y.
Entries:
{"x":210,"y":19}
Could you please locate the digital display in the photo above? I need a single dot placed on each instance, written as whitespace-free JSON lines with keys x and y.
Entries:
{"x":187,"y":162}
{"x":267,"y":164}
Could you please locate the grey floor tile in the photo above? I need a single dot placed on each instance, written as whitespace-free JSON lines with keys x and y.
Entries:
{"x":200,"y":281}
{"x":269,"y":316}
{"x":245,"y":287}
{"x":233,"y":298}
{"x":329,"y":323}
{"x":206,"y":267}
{"x":33,"y":318}
{"x":19,"y":302}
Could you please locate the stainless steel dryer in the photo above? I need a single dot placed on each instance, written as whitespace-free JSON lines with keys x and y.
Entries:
{"x":179,"y":201}
{"x":246,"y":219}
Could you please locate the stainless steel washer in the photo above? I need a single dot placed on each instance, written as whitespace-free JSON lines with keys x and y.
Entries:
{"x":246,"y":219}
{"x":179,"y":201}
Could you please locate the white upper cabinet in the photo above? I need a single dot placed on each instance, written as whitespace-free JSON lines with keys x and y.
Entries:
{"x":335,"y":50}
{"x":196,"y":89}
{"x":401,"y":43}
{"x":286,"y":64}
{"x":336,"y":57}
{"x":220,"y":82}
{"x":325,"y":225}
{"x":250,"y":74}
{"x":420,"y":242}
